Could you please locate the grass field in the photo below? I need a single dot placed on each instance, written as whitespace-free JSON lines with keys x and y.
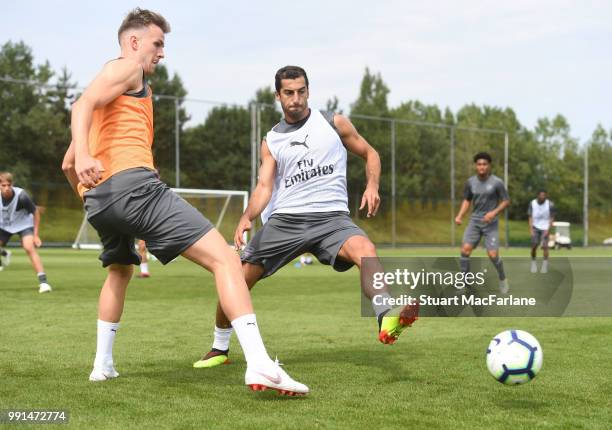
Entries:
{"x":435,"y":376}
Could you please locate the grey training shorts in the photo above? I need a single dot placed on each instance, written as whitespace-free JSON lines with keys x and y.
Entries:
{"x":5,"y":236}
{"x":152,"y":212}
{"x":286,"y":236}
{"x":539,"y":238}
{"x":477,"y":228}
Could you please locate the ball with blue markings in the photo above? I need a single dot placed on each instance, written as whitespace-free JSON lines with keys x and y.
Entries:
{"x":514,"y":357}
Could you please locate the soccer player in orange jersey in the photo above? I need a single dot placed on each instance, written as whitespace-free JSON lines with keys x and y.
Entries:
{"x":110,"y":164}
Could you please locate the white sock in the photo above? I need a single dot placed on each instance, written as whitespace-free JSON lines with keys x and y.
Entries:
{"x":250,"y":340}
{"x":106,"y":338}
{"x":380,"y":308}
{"x":144,"y":267}
{"x":222,"y":338}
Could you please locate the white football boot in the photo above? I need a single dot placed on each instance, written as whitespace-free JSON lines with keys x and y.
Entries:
{"x":275,"y":379}
{"x":103,"y":373}
{"x":44,"y":288}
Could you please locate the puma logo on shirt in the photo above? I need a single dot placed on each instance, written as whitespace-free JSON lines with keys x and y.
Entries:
{"x":296,"y":143}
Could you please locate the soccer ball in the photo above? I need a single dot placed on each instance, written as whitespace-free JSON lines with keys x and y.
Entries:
{"x":514,"y":357}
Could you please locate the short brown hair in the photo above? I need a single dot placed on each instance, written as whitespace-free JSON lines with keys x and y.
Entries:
{"x":6,"y":176}
{"x":140,"y":18}
{"x":289,"y":72}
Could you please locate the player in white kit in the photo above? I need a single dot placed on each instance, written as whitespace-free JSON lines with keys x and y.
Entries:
{"x":19,"y":215}
{"x":302,"y":198}
{"x":541,"y":212}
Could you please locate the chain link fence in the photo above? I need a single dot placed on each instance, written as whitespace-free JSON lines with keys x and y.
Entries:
{"x":211,"y":145}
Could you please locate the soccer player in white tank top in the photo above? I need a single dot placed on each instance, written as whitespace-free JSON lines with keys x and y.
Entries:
{"x":541,"y":213}
{"x":20,"y":216}
{"x":302,"y":186}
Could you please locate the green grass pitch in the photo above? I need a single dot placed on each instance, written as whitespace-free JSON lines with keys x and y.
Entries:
{"x":435,"y":375}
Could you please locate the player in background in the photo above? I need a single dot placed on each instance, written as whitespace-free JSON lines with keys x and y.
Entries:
{"x":302,"y":197}
{"x":488,"y":196}
{"x":541,"y":212}
{"x":144,"y":259}
{"x":19,"y":215}
{"x":110,"y":164}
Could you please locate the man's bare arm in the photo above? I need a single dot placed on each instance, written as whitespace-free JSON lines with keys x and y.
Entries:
{"x":68,"y":168}
{"x":116,"y":78}
{"x":489,"y":216}
{"x":261,"y":194}
{"x":465,"y":205}
{"x":356,"y":144}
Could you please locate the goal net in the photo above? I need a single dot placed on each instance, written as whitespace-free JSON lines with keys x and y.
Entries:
{"x":222,"y":207}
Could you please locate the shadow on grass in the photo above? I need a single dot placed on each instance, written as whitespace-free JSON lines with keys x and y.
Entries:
{"x":390,"y":364}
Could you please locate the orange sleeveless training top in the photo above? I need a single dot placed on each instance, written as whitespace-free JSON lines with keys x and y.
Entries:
{"x":121,"y":135}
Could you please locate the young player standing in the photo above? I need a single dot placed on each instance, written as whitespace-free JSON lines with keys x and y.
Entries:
{"x":302,"y":197}
{"x":19,"y":215}
{"x":110,"y":163}
{"x":488,"y":196}
{"x":541,"y":212}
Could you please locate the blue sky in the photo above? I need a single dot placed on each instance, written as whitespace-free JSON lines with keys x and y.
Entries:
{"x":538,"y":57}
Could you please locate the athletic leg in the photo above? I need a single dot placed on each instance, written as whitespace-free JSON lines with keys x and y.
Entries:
{"x":471,"y":237}
{"x":354,"y":250}
{"x":464,"y":260}
{"x":144,"y":259}
{"x":535,"y":241}
{"x":276,"y":244}
{"x":544,"y":268}
{"x":27,"y":242}
{"x":3,"y":252}
{"x":211,"y":252}
{"x":110,"y":309}
{"x":222,"y":335}
{"x":491,"y":235}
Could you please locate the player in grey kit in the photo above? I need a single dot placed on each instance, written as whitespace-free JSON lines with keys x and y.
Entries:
{"x":489,"y":197}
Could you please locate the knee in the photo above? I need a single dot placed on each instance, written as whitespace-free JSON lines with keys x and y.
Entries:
{"x":229,"y":260}
{"x":466,"y":251}
{"x":121,"y":271}
{"x":367,"y":248}
{"x":492,"y":255}
{"x":29,"y":249}
{"x":359,"y":249}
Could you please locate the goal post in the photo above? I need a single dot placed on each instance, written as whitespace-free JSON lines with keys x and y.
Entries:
{"x":222,"y":207}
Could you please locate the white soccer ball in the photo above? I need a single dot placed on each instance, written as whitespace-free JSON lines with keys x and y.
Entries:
{"x":514,"y":357}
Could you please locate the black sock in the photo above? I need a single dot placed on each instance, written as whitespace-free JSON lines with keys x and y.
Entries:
{"x":464,"y":263}
{"x":42,"y":278}
{"x":499,"y":265}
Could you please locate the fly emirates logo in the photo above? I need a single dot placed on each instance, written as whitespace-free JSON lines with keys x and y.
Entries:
{"x":308,"y":170}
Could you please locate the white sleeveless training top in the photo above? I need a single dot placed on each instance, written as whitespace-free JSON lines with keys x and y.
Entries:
{"x":11,"y":219}
{"x":540,"y":214}
{"x":310,"y":169}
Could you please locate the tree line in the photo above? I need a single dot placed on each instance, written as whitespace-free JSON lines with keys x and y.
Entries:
{"x":35,"y":121}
